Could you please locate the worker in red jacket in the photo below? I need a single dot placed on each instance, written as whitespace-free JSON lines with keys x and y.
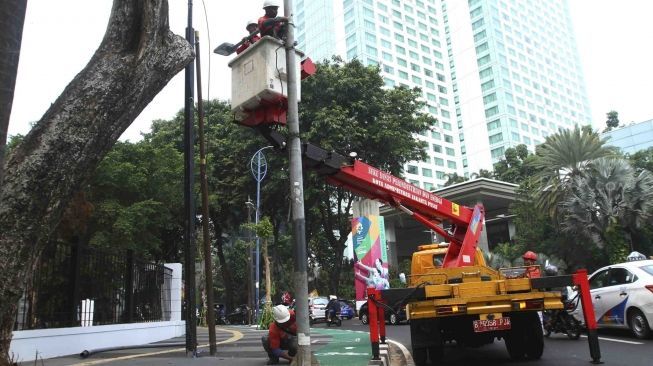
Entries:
{"x":281,"y":341}
{"x":530,"y":261}
{"x":270,"y":24}
{"x":251,"y":27}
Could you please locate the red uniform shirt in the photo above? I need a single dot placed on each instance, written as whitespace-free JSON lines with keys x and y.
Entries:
{"x":268,"y":30}
{"x":276,"y":334}
{"x":533,"y":272}
{"x":246,"y":44}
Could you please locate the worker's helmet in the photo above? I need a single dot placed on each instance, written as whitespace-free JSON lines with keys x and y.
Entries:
{"x":280,"y":314}
{"x":530,"y":256}
{"x":268,"y":3}
{"x":251,"y":22}
{"x":332,"y":297}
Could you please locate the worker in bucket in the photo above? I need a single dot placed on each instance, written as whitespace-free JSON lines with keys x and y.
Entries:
{"x":281,"y":341}
{"x":251,"y":27}
{"x":270,"y":24}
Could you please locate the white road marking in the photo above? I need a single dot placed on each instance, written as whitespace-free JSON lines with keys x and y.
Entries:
{"x":615,"y":340}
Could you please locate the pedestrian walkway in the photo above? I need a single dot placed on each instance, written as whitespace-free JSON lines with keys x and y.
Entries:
{"x":236,"y":345}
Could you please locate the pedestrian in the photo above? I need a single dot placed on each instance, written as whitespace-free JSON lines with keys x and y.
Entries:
{"x":270,"y":24}
{"x":281,"y":341}
{"x":249,"y":40}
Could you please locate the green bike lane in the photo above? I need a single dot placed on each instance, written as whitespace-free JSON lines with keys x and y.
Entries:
{"x":344,"y":348}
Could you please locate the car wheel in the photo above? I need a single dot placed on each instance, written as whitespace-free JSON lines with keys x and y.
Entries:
{"x":638,"y":324}
{"x":393,"y":319}
{"x":364,"y":318}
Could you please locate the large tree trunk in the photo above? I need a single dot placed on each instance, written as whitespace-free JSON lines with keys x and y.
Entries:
{"x":136,"y":59}
{"x":225,"y":271}
{"x":12,"y":18}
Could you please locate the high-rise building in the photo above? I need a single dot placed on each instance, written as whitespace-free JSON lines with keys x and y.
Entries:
{"x":516,"y":74}
{"x":495,"y":73}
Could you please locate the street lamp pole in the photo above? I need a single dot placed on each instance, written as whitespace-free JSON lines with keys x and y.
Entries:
{"x":259,"y":168}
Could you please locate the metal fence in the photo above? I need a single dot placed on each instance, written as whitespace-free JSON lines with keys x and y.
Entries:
{"x":77,"y":286}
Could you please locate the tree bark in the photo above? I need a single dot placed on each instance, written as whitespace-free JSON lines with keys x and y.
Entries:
{"x":136,"y":59}
{"x":12,"y":19}
{"x":225,"y":271}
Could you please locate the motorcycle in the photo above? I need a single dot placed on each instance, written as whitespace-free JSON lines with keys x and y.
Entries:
{"x":331,"y":320}
{"x":562,"y":321}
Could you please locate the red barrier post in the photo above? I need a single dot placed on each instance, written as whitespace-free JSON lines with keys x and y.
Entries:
{"x":373,"y":319}
{"x":381,"y":311}
{"x":580,"y":279}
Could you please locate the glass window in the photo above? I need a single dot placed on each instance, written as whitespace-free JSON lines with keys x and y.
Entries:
{"x":439,"y":162}
{"x":437,"y":148}
{"x":599,"y":280}
{"x":412,"y":169}
{"x":446,"y":126}
{"x":450,"y":151}
{"x":451,"y":164}
{"x":428,"y":173}
{"x":620,"y":276}
{"x":496,"y":138}
{"x":494,"y":124}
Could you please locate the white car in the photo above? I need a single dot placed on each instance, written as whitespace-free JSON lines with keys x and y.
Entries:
{"x":316,"y":308}
{"x":622,"y":295}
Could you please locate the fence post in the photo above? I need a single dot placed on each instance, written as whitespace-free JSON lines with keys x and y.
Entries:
{"x":129,"y":287}
{"x":75,"y":273}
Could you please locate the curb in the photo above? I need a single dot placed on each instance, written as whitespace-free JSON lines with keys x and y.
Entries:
{"x":386,"y":352}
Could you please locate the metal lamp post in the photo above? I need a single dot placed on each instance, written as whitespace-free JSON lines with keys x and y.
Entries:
{"x":259,"y":168}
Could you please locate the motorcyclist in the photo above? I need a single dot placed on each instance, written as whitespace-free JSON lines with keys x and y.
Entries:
{"x":332,"y":308}
{"x":530,"y":261}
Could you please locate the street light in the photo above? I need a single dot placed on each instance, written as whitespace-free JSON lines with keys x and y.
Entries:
{"x":259,"y":168}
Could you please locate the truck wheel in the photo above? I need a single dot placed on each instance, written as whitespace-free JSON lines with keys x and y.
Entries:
{"x":534,"y":339}
{"x":419,"y":356}
{"x":515,"y":343}
{"x":435,"y":353}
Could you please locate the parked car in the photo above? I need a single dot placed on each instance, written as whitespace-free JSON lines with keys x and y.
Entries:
{"x":622,"y":295}
{"x":346,"y":310}
{"x":316,"y":306}
{"x":392,"y":316}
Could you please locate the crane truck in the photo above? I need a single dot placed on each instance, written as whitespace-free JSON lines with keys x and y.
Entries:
{"x":458,"y":299}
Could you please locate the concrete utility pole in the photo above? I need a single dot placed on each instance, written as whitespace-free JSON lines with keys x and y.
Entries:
{"x":297,"y":196}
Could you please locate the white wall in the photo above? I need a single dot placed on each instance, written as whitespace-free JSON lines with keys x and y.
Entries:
{"x":28,"y":345}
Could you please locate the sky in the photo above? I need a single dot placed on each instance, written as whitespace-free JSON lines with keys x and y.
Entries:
{"x":614,"y":38}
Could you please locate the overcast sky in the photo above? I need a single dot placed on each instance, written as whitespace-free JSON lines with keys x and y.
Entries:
{"x":60,"y":36}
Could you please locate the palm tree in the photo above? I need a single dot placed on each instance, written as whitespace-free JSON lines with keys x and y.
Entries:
{"x":562,"y":158}
{"x":608,"y":195}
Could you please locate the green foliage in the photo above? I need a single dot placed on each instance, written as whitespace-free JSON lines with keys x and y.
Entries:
{"x":612,"y":120}
{"x":616,"y":245}
{"x":266,"y":317}
{"x":515,"y":167}
{"x":642,"y":160}
{"x":454,"y":178}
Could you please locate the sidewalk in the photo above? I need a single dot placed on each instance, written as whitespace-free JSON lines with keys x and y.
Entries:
{"x":237,"y":345}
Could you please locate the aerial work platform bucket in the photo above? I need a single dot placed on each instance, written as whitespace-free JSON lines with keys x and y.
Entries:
{"x":259,"y":81}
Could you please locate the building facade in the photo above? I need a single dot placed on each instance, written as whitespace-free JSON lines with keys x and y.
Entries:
{"x":495,"y":73}
{"x":406,"y":40}
{"x":632,"y":138}
{"x":516,"y":74}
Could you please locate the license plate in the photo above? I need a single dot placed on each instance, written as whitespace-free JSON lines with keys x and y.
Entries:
{"x":490,"y":325}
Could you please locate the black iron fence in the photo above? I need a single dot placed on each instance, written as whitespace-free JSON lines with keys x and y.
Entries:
{"x":78,"y":286}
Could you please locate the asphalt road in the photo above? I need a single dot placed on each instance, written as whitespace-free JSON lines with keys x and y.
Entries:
{"x":617,"y":348}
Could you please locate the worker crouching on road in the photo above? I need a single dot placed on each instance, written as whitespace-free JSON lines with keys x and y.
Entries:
{"x":270,"y":24}
{"x":281,"y":341}
{"x":251,"y":27}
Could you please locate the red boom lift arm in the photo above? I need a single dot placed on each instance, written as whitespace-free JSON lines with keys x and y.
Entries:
{"x":426,"y":207}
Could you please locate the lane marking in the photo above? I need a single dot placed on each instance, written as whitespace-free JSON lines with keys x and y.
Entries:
{"x":236,"y":335}
{"x":615,"y":340}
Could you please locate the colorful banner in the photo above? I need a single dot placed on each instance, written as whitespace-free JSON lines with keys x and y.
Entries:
{"x":370,"y":254}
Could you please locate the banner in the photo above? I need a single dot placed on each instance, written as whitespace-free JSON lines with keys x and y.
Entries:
{"x":370,"y":254}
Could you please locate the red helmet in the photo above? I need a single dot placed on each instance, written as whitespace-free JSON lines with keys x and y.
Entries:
{"x":530,"y":256}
